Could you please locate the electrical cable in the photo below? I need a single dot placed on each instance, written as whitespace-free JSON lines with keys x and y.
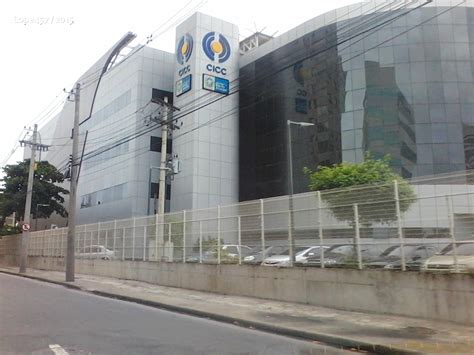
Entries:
{"x":140,"y":133}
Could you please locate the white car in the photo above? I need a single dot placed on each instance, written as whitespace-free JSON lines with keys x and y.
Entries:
{"x":445,"y":261}
{"x":95,"y":252}
{"x":301,"y":256}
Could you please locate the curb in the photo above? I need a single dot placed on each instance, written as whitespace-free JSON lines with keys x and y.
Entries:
{"x":295,"y":333}
{"x":60,"y":283}
{"x":321,"y":337}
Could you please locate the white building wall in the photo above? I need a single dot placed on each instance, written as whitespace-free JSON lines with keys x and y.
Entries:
{"x":134,"y":80}
{"x":207,"y":143}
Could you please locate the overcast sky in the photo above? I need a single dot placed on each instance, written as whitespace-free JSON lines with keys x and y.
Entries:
{"x":47,"y":45}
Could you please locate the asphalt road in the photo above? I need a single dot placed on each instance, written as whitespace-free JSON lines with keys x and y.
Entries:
{"x":41,"y":318}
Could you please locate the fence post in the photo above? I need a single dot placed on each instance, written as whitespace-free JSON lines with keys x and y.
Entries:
{"x":169,"y":243}
{"x":115,"y":233}
{"x":290,"y":237}
{"x":133,"y":239}
{"x":144,"y":241}
{"x":451,"y":232}
{"x":357,"y":236}
{"x":399,"y":224}
{"x":239,"y":236}
{"x":63,"y":245}
{"x":90,"y":246}
{"x":200,"y":242}
{"x":262,"y":230}
{"x":98,"y":233}
{"x":320,"y":229}
{"x":184,"y":236}
{"x":123,"y":244}
{"x":106,"y":237}
{"x":156,"y":239}
{"x":219,"y":234}
{"x":43,"y":244}
{"x":84,"y":241}
{"x":58,"y":243}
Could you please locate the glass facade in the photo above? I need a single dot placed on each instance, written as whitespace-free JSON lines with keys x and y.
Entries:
{"x":398,"y":83}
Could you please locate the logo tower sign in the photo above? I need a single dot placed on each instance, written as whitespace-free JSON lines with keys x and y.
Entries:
{"x":207,"y":51}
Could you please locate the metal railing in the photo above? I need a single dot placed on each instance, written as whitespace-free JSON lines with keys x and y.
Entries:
{"x":397,"y":225}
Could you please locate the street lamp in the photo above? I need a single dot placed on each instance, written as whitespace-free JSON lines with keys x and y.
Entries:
{"x":37,"y":206}
{"x":291,"y":236}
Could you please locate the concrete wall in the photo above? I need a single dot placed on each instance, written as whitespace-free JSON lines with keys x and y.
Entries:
{"x":446,"y":297}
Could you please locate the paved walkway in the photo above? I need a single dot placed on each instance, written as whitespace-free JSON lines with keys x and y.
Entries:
{"x":371,"y":332}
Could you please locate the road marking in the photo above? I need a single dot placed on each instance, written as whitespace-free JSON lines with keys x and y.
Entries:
{"x":58,"y":350}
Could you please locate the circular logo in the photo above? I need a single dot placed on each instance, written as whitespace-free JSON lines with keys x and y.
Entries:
{"x":25,"y":227}
{"x":300,"y":73}
{"x":184,"y":48}
{"x":216,"y":46}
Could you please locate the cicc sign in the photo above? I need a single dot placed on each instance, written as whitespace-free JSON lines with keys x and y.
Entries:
{"x":217,"y":48}
{"x":184,"y":49}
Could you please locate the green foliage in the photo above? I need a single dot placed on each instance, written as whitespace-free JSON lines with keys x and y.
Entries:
{"x":45,"y":190}
{"x":9,"y":230}
{"x":375,"y":199}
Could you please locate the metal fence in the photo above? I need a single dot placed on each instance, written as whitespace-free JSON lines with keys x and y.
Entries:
{"x":397,"y":225}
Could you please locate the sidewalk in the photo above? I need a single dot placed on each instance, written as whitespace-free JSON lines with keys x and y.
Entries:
{"x":371,"y":332}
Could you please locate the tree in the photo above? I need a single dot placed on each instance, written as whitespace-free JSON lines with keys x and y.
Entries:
{"x":45,"y":190}
{"x":369,"y":184}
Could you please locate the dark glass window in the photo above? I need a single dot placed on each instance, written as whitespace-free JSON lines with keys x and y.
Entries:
{"x":155,"y":145}
{"x":412,"y":97}
{"x":154,"y":190}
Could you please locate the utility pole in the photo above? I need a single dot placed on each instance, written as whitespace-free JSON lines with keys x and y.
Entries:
{"x":289,"y":151}
{"x":72,"y":190}
{"x":29,"y":194}
{"x":163,"y":168}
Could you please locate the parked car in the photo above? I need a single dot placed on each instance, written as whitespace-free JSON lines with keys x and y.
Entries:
{"x":95,"y":252}
{"x":391,"y":257}
{"x":301,"y":256}
{"x":415,"y":262}
{"x":341,"y":255}
{"x":445,"y":261}
{"x":256,"y":254}
{"x":229,"y":253}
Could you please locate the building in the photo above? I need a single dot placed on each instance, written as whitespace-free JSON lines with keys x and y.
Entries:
{"x":394,"y":81}
{"x":379,"y":76}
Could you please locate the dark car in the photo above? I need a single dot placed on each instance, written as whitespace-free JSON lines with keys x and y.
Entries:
{"x":414,"y":256}
{"x":255,"y":256}
{"x":341,"y":255}
{"x":229,"y":254}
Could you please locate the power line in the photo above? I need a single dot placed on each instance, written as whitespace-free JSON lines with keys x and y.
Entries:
{"x":127,"y":139}
{"x":213,"y":94}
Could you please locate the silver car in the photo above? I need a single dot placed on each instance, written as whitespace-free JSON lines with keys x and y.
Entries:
{"x":95,"y":252}
{"x":446,"y":261}
{"x":301,"y":256}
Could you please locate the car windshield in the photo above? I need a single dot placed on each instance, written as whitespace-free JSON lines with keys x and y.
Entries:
{"x":258,"y":250}
{"x":340,"y":249}
{"x":389,"y":250}
{"x":461,"y":249}
{"x":396,"y":251}
{"x":298,"y":250}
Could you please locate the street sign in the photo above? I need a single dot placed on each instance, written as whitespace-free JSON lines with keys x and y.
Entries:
{"x":25,"y":227}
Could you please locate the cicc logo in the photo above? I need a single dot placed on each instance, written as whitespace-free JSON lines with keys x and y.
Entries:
{"x":216,"y":46}
{"x":300,"y":73}
{"x":184,"y":48}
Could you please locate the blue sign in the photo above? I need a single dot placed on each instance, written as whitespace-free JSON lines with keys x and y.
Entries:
{"x":216,"y":84}
{"x":222,"y":86}
{"x":183,"y":85}
{"x":301,"y":105}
